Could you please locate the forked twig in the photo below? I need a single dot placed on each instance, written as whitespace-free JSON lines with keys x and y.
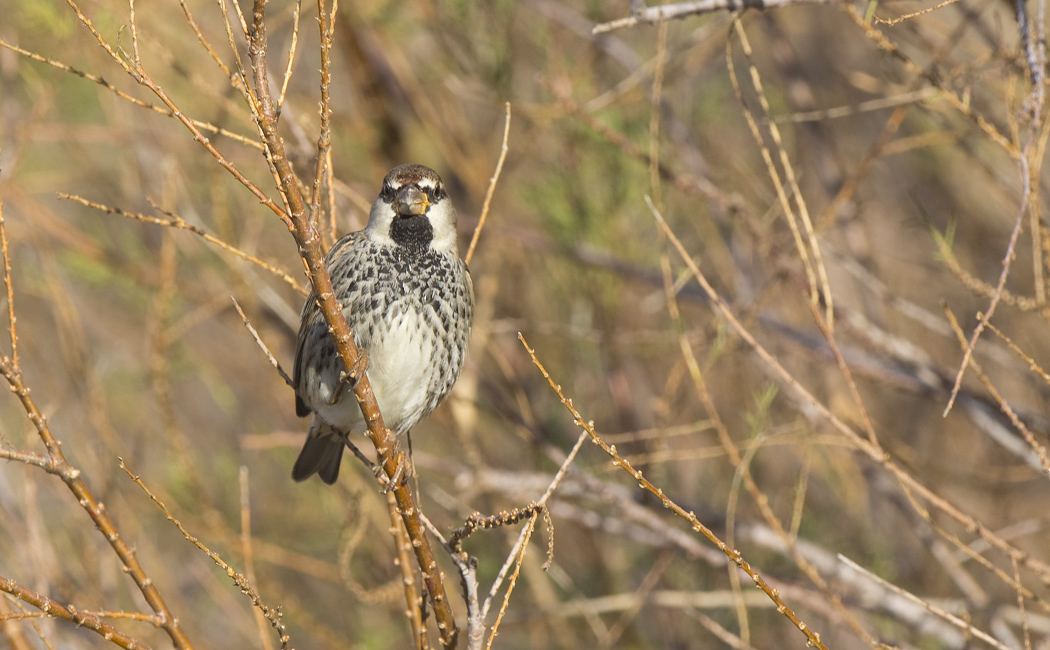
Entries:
{"x":391,"y":457}
{"x":948,"y":94}
{"x":1037,"y":448}
{"x":90,"y":620}
{"x":1007,"y":260}
{"x":815,"y":269}
{"x":876,"y":453}
{"x":71,"y":477}
{"x":138,"y":73}
{"x":619,"y":461}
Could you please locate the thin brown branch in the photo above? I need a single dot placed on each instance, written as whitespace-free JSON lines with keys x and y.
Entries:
{"x":1033,"y":444}
{"x":1032,"y":365}
{"x":326,"y":24}
{"x":71,"y":477}
{"x":272,"y":615}
{"x":249,"y":562}
{"x":138,"y":73}
{"x":175,"y":221}
{"x":914,"y":14}
{"x":204,"y":41}
{"x":875,"y":453}
{"x":1007,"y":261}
{"x":491,"y":190}
{"x":204,"y":126}
{"x":292,"y":47}
{"x":258,"y":341}
{"x":468,"y":571}
{"x":29,"y":458}
{"x":391,"y":457}
{"x":948,"y":94}
{"x":409,"y":585}
{"x":734,"y":556}
{"x":11,"y":318}
{"x":815,"y":269}
{"x":976,"y":285}
{"x":89,"y":620}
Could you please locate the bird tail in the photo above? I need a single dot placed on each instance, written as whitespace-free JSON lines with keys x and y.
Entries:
{"x":321,"y":454}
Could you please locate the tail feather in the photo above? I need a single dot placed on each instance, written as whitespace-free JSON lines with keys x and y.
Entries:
{"x":321,"y":454}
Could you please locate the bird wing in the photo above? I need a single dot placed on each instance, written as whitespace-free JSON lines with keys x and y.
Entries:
{"x":310,"y":315}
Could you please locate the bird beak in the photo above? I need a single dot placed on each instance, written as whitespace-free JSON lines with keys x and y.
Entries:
{"x":410,"y":202}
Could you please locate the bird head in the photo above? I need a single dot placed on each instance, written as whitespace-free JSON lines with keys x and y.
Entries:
{"x":413,"y":211}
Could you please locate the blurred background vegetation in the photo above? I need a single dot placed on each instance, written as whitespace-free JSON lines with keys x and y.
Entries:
{"x":130,"y":343}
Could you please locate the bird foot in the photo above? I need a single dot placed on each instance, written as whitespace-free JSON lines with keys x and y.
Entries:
{"x":350,"y":378}
{"x":402,"y":472}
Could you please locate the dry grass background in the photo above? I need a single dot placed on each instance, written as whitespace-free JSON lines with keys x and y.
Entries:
{"x":132,"y":348}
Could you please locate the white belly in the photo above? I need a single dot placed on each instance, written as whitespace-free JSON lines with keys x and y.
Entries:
{"x":400,"y":365}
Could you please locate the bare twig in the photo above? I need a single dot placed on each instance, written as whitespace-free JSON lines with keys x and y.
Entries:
{"x":204,"y":126}
{"x":29,"y":458}
{"x":948,"y":94}
{"x":677,"y":11}
{"x":1033,"y":444}
{"x":11,"y":318}
{"x":89,"y":620}
{"x":491,"y":190}
{"x":249,"y":557}
{"x":731,"y":553}
{"x":875,"y":453}
{"x":175,"y":221}
{"x":71,"y":477}
{"x":138,"y":73}
{"x":392,"y":458}
{"x":1032,"y":365}
{"x":951,"y":618}
{"x":914,"y":14}
{"x":271,"y":615}
{"x":1007,"y":260}
{"x":324,"y":138}
{"x":258,"y":341}
{"x":408,"y":583}
{"x":522,"y":538}
{"x":815,"y":269}
{"x":295,"y":43}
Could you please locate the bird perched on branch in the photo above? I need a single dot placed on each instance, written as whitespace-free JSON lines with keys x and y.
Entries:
{"x":409,"y":302}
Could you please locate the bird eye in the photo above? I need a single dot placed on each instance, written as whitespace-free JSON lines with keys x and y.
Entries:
{"x":387,"y":193}
{"x":435,"y":193}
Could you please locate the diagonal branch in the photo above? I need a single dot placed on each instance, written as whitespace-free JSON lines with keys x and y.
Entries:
{"x":89,"y":620}
{"x":71,"y":477}
{"x":391,"y":457}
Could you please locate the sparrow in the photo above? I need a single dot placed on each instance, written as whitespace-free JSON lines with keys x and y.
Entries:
{"x":409,"y":301}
